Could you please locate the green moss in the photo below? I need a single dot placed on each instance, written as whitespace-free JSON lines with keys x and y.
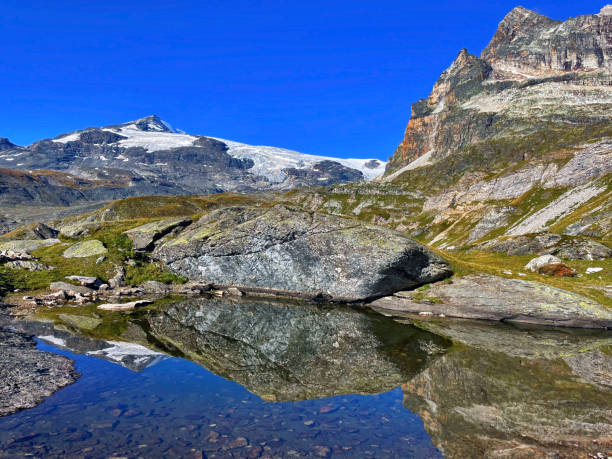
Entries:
{"x":151,"y":271}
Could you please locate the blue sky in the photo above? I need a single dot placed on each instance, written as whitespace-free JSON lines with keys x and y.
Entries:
{"x":322,"y":77}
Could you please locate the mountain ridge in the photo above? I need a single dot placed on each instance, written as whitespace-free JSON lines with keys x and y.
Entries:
{"x":149,"y":155}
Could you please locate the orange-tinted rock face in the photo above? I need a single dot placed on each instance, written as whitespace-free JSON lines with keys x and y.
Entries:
{"x":527,"y":50}
{"x":430,"y":128}
{"x":557,"y":270}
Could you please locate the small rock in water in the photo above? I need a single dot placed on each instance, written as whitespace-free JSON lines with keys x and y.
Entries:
{"x":85,"y":281}
{"x":123,"y":306}
{"x":239,"y":442}
{"x":321,"y":451}
{"x":327,"y":409}
{"x":233,"y":291}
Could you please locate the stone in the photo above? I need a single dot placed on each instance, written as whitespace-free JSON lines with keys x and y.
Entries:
{"x":233,"y":291}
{"x":84,"y":249}
{"x":536,"y":263}
{"x":557,"y":270}
{"x":143,"y":237}
{"x":80,"y":322}
{"x":100,"y":260}
{"x":86,"y":281}
{"x":284,"y":249}
{"x":156,"y":288}
{"x":488,"y":297}
{"x":583,"y":249}
{"x":118,"y":279}
{"x":28,"y":245}
{"x":123,"y":306}
{"x":28,"y":265}
{"x":66,"y":287}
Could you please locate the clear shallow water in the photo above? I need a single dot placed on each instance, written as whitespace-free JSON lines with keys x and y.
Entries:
{"x":258,"y":378}
{"x":177,"y":408}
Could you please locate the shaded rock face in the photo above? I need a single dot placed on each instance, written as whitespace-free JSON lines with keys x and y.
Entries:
{"x":491,"y":404}
{"x":291,"y":351}
{"x":568,"y":248}
{"x":487,"y":297}
{"x":28,"y":375}
{"x":433,"y":128}
{"x":530,"y":42}
{"x":6,"y":144}
{"x":280,"y":248}
{"x":323,"y":173}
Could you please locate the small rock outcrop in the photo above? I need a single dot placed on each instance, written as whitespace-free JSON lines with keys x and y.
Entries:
{"x":143,"y":237}
{"x":487,"y":297}
{"x":280,"y":248}
{"x":85,"y":249}
{"x":535,"y":264}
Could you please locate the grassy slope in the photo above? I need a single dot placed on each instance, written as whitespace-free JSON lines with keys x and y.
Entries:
{"x":128,"y":213}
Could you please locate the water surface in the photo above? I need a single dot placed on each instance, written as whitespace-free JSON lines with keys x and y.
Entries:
{"x":213,"y":377}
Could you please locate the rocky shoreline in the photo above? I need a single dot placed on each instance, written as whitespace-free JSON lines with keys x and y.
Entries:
{"x":28,"y":375}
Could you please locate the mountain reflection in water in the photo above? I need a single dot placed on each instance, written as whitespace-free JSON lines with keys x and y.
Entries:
{"x":480,"y":389}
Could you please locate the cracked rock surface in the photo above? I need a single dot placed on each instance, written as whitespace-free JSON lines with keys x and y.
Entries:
{"x":488,"y":297}
{"x":280,"y":248}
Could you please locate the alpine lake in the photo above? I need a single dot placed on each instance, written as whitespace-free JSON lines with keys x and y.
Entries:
{"x":236,"y":377}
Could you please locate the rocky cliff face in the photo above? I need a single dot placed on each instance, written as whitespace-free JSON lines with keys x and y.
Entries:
{"x":535,"y":74}
{"x":515,"y":142}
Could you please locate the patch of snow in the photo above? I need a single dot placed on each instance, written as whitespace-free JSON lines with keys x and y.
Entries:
{"x":130,"y":354}
{"x":53,"y":340}
{"x":421,"y":161}
{"x":593,"y":270}
{"x":151,"y":140}
{"x":103,"y":158}
{"x":270,"y":161}
{"x":68,"y":138}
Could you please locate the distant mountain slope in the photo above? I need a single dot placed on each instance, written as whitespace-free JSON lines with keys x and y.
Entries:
{"x":149,"y":156}
{"x":506,"y":147}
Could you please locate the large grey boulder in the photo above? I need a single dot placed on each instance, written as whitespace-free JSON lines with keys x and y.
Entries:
{"x":488,"y":297}
{"x":280,"y":248}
